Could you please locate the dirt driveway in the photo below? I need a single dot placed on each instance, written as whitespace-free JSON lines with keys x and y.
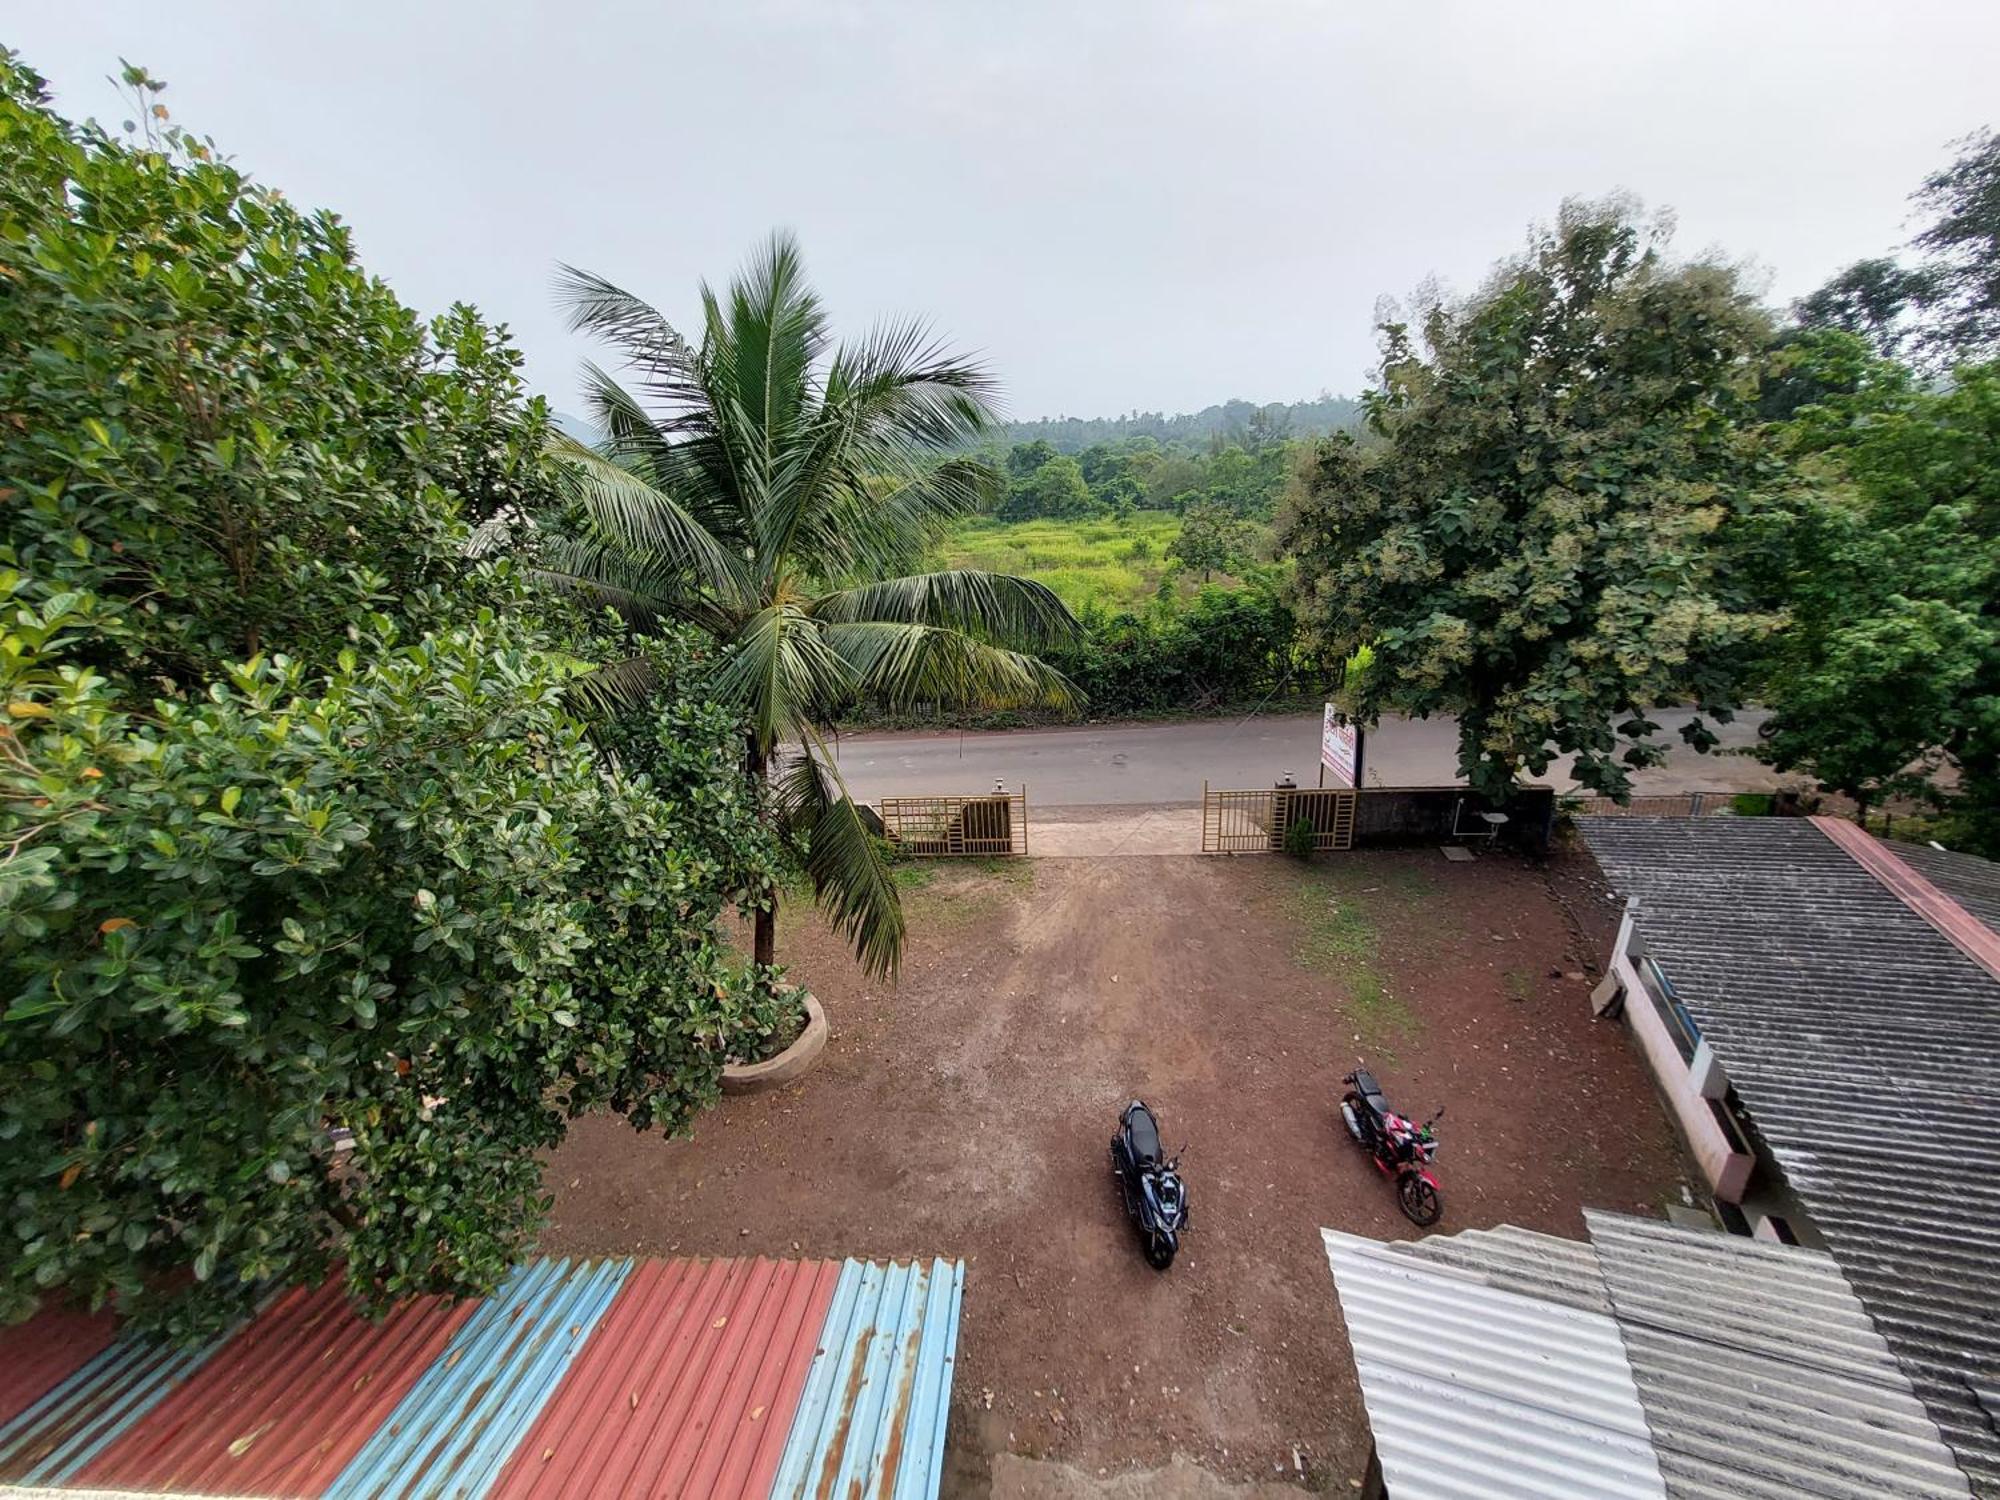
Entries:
{"x":967,"y":1112}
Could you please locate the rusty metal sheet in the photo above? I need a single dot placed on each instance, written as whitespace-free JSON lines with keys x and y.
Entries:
{"x":38,"y":1355}
{"x":871,"y":1423}
{"x":47,"y":1442}
{"x":687,"y":1387}
{"x":282,"y":1407}
{"x":459,"y":1423}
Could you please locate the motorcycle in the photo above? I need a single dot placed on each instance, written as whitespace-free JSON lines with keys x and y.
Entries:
{"x":1155,"y":1197}
{"x":1398,"y":1147}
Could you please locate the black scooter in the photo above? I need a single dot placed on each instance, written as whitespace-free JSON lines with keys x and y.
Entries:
{"x":1151,"y":1183}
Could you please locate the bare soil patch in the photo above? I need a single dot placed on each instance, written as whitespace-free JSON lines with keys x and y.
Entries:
{"x":967,"y":1112}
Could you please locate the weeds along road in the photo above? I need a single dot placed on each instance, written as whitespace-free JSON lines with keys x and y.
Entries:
{"x":1100,"y":764}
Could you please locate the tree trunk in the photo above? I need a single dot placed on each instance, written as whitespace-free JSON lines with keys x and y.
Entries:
{"x":764,"y":921}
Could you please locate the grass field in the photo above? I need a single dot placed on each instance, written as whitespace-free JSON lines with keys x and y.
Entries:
{"x":1113,"y":563}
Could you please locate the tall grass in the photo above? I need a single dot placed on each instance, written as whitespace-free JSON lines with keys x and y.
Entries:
{"x":1113,"y":563}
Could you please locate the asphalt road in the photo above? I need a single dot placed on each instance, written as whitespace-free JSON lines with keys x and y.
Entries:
{"x":1099,"y":765}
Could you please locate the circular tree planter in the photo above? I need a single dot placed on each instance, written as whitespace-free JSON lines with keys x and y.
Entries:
{"x":788,"y":1066}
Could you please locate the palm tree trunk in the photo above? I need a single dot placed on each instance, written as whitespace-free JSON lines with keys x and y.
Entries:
{"x":764,"y":921}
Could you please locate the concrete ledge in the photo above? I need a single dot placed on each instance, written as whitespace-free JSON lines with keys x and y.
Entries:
{"x":788,"y":1066}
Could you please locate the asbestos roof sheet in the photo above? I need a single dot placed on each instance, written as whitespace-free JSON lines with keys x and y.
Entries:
{"x":693,"y":1378}
{"x":1865,"y":1047}
{"x":281,"y":1405}
{"x":1757,"y":1370}
{"x":1473,"y":1391}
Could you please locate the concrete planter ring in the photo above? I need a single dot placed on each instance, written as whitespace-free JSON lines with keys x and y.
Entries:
{"x":788,"y":1066}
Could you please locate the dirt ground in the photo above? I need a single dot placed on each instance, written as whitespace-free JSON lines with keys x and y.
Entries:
{"x":967,"y":1111}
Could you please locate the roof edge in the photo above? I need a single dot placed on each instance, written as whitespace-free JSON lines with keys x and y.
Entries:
{"x":1951,"y":921}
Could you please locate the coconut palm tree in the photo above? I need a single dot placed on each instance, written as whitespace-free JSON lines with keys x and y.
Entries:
{"x":773,"y":489}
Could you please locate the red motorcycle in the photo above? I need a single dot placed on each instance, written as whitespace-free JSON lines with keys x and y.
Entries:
{"x":1399,"y":1148}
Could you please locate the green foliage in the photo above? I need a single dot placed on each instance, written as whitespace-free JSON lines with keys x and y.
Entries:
{"x":1053,"y":489}
{"x":1530,"y":540}
{"x":1890,"y":668}
{"x":1300,"y":838}
{"x":300,"y":841}
{"x":1212,"y":540}
{"x":1224,"y":647}
{"x":1243,"y":423}
{"x":769,"y":488}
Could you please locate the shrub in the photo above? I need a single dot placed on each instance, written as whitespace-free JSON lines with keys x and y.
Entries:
{"x":1299,"y":838}
{"x":303,"y":841}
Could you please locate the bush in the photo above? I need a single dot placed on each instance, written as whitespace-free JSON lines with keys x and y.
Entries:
{"x":304,"y":841}
{"x":1299,"y":838}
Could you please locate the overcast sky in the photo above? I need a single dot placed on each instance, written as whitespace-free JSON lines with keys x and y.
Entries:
{"x":1156,"y":205}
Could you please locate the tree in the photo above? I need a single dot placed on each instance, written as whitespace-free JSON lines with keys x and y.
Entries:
{"x":1530,"y":540}
{"x":1963,"y":243}
{"x":768,"y":488}
{"x":1055,"y":490}
{"x":1889,"y":669}
{"x":1212,"y":539}
{"x":1878,"y":299}
{"x":321,"y":912}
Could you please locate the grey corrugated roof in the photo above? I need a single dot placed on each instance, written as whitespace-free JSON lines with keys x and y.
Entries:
{"x":1760,"y":1372}
{"x":1475,"y":1393}
{"x":1972,"y":882}
{"x":1757,"y":1370}
{"x":1866,"y":1049}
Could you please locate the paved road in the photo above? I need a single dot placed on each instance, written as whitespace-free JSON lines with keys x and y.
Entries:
{"x":1098,"y":765}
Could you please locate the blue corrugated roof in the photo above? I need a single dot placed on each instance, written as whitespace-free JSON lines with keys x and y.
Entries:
{"x":52,"y":1439}
{"x":459,"y":1423}
{"x":871,"y":1422}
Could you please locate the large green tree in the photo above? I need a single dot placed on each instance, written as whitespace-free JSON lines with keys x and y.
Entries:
{"x":1889,"y":668}
{"x":770,"y":488}
{"x":1527,"y":536}
{"x":320,"y":910}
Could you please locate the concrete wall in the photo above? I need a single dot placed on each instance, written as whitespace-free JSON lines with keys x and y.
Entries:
{"x":1726,"y":1168}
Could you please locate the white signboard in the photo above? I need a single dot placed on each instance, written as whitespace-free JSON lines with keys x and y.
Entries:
{"x":1337,"y":746}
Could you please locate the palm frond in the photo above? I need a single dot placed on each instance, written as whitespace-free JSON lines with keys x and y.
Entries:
{"x":995,"y":606}
{"x":668,"y":365}
{"x":613,"y":687}
{"x":908,"y":666}
{"x":850,"y":881}
{"x":781,"y":674}
{"x":643,"y":519}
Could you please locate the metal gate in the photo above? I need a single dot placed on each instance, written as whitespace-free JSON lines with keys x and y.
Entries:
{"x":1254,"y":822}
{"x":948,"y":827}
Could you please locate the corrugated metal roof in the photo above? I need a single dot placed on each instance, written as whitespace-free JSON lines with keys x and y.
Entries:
{"x":1761,"y":1372}
{"x":687,"y":1386}
{"x":872,"y":1421}
{"x":37,"y":1356}
{"x":1865,"y":1047}
{"x":1475,"y":1393}
{"x":280,"y":1406}
{"x":576,"y":1378}
{"x":455,"y":1426}
{"x":50,"y":1440}
{"x":1757,"y":1369}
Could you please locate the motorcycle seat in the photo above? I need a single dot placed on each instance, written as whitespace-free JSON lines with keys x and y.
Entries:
{"x":1371,"y":1091}
{"x":1143,"y":1134}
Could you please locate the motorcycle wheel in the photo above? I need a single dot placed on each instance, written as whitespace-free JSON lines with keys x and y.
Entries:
{"x":1160,"y":1251}
{"x":1418,"y":1200}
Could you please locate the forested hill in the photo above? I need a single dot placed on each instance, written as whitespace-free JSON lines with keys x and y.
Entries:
{"x":1236,"y":421}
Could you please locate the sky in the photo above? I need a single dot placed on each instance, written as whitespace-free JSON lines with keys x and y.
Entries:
{"x":1151,"y":206}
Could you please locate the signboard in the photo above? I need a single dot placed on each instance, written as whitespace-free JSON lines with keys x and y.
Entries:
{"x":1338,"y":740}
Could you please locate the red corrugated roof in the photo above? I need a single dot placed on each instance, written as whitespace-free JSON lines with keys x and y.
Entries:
{"x":687,"y":1386}
{"x":285,"y":1403}
{"x":37,"y":1356}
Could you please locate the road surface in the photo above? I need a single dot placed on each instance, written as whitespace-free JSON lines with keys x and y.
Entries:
{"x":1101,"y":765}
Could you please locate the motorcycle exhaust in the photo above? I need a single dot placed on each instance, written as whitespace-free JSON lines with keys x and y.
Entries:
{"x":1353,"y":1124}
